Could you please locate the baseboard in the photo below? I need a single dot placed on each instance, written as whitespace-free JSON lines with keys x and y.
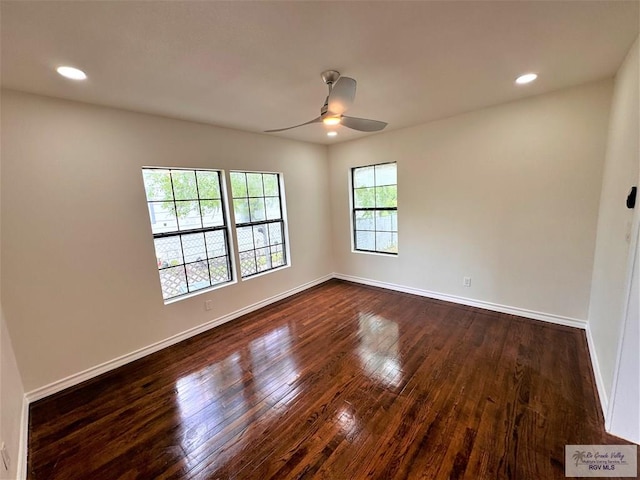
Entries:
{"x":495,"y":307}
{"x":546,"y":317}
{"x":80,"y":377}
{"x":21,"y":473}
{"x":92,"y":372}
{"x":597,"y":374}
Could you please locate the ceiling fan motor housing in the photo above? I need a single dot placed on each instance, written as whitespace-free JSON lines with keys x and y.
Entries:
{"x":337,"y":102}
{"x":330,"y":77}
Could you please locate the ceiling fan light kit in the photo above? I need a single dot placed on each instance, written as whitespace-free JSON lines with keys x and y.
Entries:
{"x":342,"y":93}
{"x":331,"y":120}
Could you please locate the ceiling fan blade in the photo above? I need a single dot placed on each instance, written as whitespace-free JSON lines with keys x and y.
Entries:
{"x":315,"y":120}
{"x":342,"y":95}
{"x":362,"y":124}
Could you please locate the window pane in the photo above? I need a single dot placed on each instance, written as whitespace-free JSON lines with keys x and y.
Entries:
{"x":363,"y":177}
{"x":189,"y":215}
{"x":263,"y":259}
{"x":375,"y":203}
{"x":365,"y":240}
{"x":386,"y":196}
{"x":163,"y":217}
{"x":364,"y":220}
{"x":211,"y":211}
{"x":245,"y":239}
{"x":168,"y":251}
{"x":257,"y":210}
{"x":387,"y":242}
{"x":260,"y":216}
{"x":183,"y":259}
{"x":387,"y":221}
{"x":260,"y":235}
{"x":198,"y":275}
{"x":241,"y":210}
{"x":386,"y":174}
{"x":157,"y":184}
{"x":193,"y":247}
{"x":219,"y":270}
{"x":254,"y":184}
{"x":270,"y":181}
{"x":273,"y":208}
{"x":208,"y":184}
{"x":247,"y":263}
{"x":275,"y":233}
{"x":216,"y":243}
{"x":238,"y":184}
{"x":277,"y":256}
{"x":173,"y":281}
{"x":364,"y":198}
{"x":184,"y":184}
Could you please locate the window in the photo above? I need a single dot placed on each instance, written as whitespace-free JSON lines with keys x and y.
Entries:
{"x":189,"y":226}
{"x":260,"y":229}
{"x":375,"y":208}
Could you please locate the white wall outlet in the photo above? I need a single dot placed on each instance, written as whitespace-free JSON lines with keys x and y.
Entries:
{"x":6,"y":461}
{"x":208,"y":305}
{"x":466,"y":281}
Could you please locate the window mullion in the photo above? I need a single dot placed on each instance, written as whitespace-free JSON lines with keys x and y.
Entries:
{"x":173,"y":197}
{"x":195,"y":174}
{"x":188,"y":232}
{"x":184,"y":264}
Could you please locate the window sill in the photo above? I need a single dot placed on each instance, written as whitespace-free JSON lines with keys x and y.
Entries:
{"x":199,"y":292}
{"x":266,"y":272}
{"x":379,"y":254}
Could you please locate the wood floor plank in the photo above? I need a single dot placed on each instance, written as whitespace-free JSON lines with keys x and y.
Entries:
{"x":339,"y":382}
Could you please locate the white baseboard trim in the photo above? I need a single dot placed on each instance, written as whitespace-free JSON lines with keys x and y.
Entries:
{"x":80,"y":377}
{"x":21,"y":473}
{"x":495,"y":307}
{"x":92,"y":372}
{"x":597,"y":374}
{"x":546,"y":317}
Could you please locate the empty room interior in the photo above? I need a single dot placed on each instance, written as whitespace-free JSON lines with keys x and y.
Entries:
{"x":316,"y":239}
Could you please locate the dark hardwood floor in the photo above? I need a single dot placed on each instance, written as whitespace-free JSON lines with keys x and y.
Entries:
{"x":339,"y":382}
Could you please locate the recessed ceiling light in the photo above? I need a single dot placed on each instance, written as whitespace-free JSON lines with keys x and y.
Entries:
{"x":332,"y":134}
{"x":72,"y":73}
{"x":526,"y":78}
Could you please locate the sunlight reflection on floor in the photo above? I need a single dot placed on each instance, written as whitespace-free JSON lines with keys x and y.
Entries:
{"x":217,"y":395}
{"x":378,"y":350}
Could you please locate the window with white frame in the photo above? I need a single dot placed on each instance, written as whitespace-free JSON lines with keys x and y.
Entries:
{"x":190,"y":229}
{"x":259,"y":216}
{"x":374,"y":198}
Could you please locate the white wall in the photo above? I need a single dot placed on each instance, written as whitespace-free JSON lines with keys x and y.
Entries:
{"x":79,"y":280}
{"x":623,"y":417}
{"x":507,"y":195}
{"x":11,"y":400}
{"x":11,"y":394}
{"x":611,"y":264}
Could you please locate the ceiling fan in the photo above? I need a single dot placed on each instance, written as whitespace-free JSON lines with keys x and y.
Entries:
{"x":342,"y":92}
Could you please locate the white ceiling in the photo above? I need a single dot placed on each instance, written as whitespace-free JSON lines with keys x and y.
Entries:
{"x":256,"y":65}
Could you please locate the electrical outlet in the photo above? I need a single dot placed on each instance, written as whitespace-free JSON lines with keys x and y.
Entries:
{"x":466,"y":281}
{"x":6,"y":461}
{"x":208,"y":305}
